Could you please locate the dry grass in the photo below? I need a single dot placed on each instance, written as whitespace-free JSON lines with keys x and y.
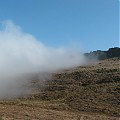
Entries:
{"x":90,"y":92}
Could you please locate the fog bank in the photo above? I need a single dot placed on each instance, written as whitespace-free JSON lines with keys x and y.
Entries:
{"x":21,"y":53}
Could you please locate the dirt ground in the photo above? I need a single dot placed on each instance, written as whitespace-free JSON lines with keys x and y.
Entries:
{"x":28,"y":111}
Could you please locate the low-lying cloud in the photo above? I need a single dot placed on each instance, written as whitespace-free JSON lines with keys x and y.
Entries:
{"x":21,"y":53}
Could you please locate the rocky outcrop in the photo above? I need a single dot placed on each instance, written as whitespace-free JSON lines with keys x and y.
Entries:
{"x":101,"y":55}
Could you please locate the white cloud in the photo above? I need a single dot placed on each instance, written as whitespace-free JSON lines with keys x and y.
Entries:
{"x":21,"y":53}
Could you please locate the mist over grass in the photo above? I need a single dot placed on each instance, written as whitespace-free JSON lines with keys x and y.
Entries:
{"x":21,"y":54}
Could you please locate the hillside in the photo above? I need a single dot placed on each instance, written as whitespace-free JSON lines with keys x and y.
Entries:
{"x":89,"y":92}
{"x":91,"y":88}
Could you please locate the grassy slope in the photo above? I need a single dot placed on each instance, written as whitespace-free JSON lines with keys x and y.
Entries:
{"x":92,"y":88}
{"x":84,"y":93}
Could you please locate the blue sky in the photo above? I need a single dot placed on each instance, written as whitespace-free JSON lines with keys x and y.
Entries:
{"x":92,"y":24}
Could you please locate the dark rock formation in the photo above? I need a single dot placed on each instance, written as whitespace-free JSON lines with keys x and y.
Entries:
{"x":101,"y":55}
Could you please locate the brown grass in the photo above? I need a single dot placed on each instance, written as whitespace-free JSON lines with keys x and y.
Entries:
{"x":90,"y":92}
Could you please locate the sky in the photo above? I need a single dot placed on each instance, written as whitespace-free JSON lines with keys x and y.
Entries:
{"x":84,"y":24}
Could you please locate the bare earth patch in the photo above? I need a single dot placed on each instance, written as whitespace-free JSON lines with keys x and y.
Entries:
{"x":28,"y":111}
